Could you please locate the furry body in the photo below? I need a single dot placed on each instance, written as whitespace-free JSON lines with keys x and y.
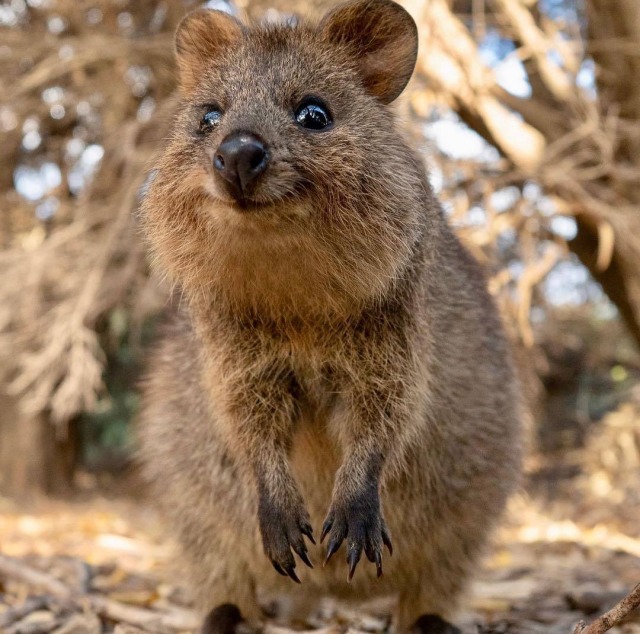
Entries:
{"x":337,"y":356}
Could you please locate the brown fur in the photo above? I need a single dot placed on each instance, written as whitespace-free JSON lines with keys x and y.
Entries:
{"x":336,"y":354}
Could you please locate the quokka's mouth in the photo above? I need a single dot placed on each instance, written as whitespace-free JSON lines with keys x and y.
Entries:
{"x":281,"y":203}
{"x":278,"y":202}
{"x":247,"y":205}
{"x":244,"y":205}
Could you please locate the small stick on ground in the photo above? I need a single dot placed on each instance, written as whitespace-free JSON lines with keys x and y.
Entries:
{"x":15,"y":614}
{"x":14,"y":569}
{"x":168,"y":621}
{"x":613,"y":617}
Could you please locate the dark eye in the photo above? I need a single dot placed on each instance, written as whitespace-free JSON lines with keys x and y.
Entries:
{"x":210,"y":119}
{"x":312,"y":114}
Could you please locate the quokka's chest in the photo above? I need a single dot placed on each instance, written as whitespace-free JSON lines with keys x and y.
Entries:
{"x":315,"y":453}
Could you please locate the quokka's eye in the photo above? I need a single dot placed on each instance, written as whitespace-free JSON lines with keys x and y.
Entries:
{"x":210,"y":119}
{"x":313,"y":114}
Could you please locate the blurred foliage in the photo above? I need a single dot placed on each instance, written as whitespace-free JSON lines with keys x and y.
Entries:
{"x":105,"y":433}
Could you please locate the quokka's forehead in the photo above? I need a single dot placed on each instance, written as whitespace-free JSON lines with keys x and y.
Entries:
{"x":281,"y":50}
{"x":280,"y":62}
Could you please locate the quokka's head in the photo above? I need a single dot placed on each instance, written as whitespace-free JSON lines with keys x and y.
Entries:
{"x":285,"y":185}
{"x":282,"y":116}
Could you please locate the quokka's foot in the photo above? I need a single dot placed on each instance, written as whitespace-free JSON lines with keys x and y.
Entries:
{"x":358,"y":520}
{"x":433,"y":624}
{"x":284,"y":529}
{"x":222,"y":620}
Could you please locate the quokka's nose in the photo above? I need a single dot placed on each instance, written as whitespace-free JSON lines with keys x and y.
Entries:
{"x":240,"y":159}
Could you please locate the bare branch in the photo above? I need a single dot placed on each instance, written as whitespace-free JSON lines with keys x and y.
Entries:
{"x":538,"y":46}
{"x":451,"y":62}
{"x":613,"y":617}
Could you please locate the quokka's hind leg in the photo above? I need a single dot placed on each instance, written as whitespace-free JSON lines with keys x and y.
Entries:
{"x":419,"y":615}
{"x":224,"y":589}
{"x":433,"y":624}
{"x":222,"y":619}
{"x":430,"y":605}
{"x":442,"y":566}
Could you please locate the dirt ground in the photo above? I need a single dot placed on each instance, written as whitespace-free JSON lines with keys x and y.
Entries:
{"x":568,"y":550}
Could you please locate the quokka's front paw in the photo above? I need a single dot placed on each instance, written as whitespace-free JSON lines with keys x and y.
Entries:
{"x":359,"y":521}
{"x":283,"y":528}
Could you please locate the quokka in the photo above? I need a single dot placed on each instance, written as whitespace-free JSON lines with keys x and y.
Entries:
{"x":336,"y":366}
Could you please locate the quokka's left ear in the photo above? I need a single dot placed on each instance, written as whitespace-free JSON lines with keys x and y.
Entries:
{"x":382,"y":37}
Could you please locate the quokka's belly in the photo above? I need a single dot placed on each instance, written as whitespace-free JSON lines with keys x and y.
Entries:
{"x":315,"y":459}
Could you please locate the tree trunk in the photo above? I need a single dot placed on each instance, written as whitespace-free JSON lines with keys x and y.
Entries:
{"x":32,"y":460}
{"x":614,"y":43}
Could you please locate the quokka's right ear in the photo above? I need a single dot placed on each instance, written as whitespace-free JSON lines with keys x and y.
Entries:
{"x":383,"y":39}
{"x":200,"y":37}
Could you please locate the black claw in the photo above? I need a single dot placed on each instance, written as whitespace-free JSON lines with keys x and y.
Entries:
{"x":279,"y":569}
{"x":301,"y":550}
{"x":308,"y":531}
{"x":378,"y":558}
{"x":352,"y":559}
{"x":303,"y":555}
{"x":292,"y":573}
{"x":370,"y":551}
{"x":331,"y":550}
{"x":387,"y":542}
{"x":326,"y":527}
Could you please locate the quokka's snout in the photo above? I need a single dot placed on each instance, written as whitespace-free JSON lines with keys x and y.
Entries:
{"x":240,"y":160}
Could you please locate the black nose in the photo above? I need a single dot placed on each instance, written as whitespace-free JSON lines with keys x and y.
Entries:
{"x":240,"y":159}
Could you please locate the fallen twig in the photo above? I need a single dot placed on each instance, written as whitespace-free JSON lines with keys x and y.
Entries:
{"x":15,"y":614}
{"x":15,"y":569}
{"x":613,"y":617}
{"x":175,"y":620}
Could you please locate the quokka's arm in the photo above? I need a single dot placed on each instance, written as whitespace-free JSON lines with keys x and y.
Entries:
{"x":256,"y":401}
{"x":374,"y":428}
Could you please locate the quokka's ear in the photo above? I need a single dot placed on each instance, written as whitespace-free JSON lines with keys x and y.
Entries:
{"x":382,"y":37}
{"x":200,"y":37}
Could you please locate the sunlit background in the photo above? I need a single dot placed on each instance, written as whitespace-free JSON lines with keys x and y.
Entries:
{"x":527,"y":114}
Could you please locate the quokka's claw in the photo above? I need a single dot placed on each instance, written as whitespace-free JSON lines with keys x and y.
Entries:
{"x":378,"y":558}
{"x":352,"y":559}
{"x":386,"y":539}
{"x":326,"y":527}
{"x":332,"y":548}
{"x":292,"y":573}
{"x":278,"y":568}
{"x":308,"y":531}
{"x":305,"y":558}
